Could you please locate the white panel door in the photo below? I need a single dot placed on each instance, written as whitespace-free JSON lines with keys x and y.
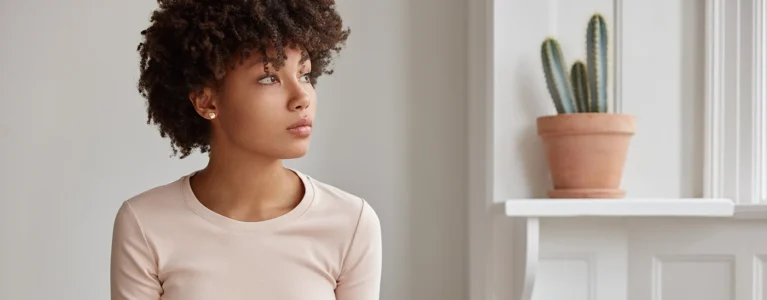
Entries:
{"x":582,"y":260}
{"x":697,"y":259}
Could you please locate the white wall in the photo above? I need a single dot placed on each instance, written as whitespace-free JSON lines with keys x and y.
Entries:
{"x":75,"y":143}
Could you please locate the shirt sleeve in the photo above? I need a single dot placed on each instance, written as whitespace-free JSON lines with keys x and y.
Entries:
{"x":360,"y":278}
{"x":133,"y":272}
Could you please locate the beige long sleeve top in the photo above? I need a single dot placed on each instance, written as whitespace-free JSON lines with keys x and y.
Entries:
{"x":167,"y":245}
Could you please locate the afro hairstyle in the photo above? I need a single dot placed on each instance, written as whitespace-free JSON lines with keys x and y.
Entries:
{"x":192,"y":43}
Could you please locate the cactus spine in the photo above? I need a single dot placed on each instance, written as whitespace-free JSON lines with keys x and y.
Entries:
{"x":584,"y":89}
{"x":556,"y":77}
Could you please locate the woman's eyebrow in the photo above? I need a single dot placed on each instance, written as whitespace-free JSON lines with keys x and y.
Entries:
{"x":303,"y":59}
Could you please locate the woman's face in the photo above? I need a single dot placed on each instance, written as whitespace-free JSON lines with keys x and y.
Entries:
{"x":263,"y":112}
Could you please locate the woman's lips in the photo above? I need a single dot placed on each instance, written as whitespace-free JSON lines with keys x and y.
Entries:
{"x":301,"y":128}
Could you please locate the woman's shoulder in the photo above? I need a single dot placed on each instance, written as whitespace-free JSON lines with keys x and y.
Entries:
{"x":159,"y":193}
{"x":332,"y":200}
{"x":157,"y":199}
{"x":352,"y":214}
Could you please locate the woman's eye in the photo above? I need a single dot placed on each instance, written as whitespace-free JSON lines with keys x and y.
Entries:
{"x":268,"y":80}
{"x":305,"y":77}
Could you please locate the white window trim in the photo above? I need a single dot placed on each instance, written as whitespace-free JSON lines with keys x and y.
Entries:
{"x":736,"y":101}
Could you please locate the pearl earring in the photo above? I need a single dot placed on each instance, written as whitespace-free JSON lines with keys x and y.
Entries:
{"x":212,"y":115}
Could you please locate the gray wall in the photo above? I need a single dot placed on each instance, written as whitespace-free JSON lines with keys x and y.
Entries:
{"x":75,"y":144}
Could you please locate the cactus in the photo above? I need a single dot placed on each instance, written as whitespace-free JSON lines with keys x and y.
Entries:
{"x":580,"y":82}
{"x":556,"y":77}
{"x":596,"y":52}
{"x":584,"y":89}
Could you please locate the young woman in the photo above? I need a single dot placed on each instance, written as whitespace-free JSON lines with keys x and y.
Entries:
{"x":235,"y":79}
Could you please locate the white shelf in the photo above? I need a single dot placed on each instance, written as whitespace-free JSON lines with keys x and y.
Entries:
{"x":639,"y":207}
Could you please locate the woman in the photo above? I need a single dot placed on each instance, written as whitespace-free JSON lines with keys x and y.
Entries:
{"x":235,"y":79}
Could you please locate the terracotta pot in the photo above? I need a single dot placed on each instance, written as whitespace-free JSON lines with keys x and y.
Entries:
{"x":586,"y":153}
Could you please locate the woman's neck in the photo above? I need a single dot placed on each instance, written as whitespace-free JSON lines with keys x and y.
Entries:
{"x":247,"y":188}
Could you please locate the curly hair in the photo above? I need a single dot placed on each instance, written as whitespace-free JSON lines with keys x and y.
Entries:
{"x":190,"y":43}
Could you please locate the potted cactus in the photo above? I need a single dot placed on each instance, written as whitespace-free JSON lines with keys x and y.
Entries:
{"x":586,"y":144}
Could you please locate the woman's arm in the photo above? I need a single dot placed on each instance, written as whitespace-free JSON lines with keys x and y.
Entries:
{"x":360,"y":277}
{"x":133,"y":266}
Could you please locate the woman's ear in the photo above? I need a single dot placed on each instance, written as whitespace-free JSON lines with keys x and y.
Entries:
{"x":203,"y":102}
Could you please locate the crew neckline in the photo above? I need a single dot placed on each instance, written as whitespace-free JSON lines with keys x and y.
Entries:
{"x":217,"y":219}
